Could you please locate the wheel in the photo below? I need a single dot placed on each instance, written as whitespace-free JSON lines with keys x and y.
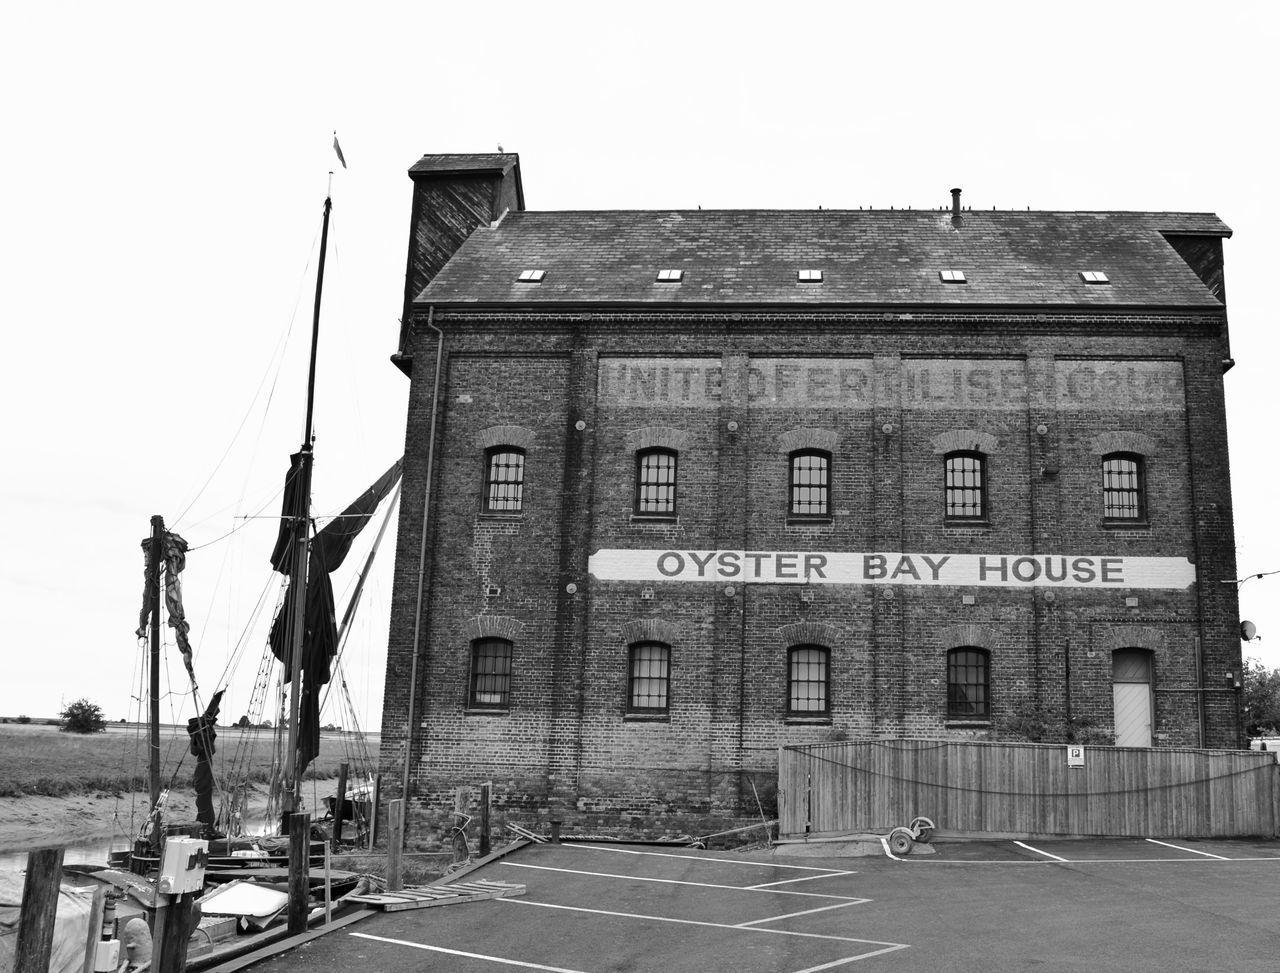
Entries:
{"x":922,"y":829}
{"x":901,"y":841}
{"x":461,"y":849}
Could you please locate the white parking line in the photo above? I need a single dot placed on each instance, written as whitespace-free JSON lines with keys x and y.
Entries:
{"x":803,"y":878}
{"x":705,"y":858}
{"x":717,"y":925}
{"x":458,"y":952}
{"x":674,"y":881}
{"x":1193,"y":851}
{"x":792,"y":915}
{"x":1022,"y":844}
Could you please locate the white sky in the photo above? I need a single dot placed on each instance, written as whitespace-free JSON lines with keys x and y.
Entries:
{"x":163,"y":171}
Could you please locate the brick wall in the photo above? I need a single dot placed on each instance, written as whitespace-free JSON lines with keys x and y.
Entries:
{"x":1044,"y":397}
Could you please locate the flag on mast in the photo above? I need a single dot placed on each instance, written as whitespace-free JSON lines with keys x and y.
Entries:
{"x":338,"y":149}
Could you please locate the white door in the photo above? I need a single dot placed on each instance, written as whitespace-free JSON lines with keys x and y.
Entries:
{"x":1133,"y":713}
{"x":1131,"y":693}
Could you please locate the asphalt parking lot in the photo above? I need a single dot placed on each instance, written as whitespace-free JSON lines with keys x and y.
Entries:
{"x":1052,"y":905}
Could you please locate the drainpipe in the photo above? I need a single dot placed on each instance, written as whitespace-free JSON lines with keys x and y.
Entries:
{"x":422,"y":558}
{"x":1200,"y":688}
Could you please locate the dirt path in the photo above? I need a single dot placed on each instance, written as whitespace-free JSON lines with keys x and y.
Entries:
{"x":31,"y":822}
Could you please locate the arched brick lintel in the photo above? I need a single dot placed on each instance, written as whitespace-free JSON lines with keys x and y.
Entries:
{"x":810,"y":633}
{"x":494,"y":626}
{"x":650,"y":630}
{"x":506,"y":436}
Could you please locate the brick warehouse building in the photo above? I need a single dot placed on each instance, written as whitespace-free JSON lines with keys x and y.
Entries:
{"x":700,"y":484}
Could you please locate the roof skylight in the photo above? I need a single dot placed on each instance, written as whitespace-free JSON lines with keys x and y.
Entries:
{"x":1094,"y":277}
{"x":952,"y":277}
{"x":670,"y":276}
{"x":809,"y":276}
{"x":531,"y":276}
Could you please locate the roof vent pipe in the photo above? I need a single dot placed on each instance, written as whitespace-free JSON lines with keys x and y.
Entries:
{"x":955,"y":208}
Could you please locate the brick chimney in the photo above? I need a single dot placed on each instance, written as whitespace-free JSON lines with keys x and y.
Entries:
{"x":452,"y":195}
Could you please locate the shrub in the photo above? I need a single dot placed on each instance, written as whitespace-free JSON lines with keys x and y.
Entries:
{"x":24,"y":718}
{"x":83,"y":716}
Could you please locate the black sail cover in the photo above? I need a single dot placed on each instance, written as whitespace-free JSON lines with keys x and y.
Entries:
{"x":329,"y":548}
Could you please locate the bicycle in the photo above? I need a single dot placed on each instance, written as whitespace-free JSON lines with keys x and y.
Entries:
{"x":458,"y":839}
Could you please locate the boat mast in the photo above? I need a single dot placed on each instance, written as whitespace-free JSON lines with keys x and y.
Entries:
{"x":153,"y":588}
{"x":302,"y":542}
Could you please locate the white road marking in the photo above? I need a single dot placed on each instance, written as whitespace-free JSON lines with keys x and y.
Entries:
{"x":705,"y":858}
{"x":1022,"y":844}
{"x":852,"y":959}
{"x":458,"y":952}
{"x":673,"y":881}
{"x":792,"y":915}
{"x":1193,"y":851}
{"x":713,"y":925}
{"x":802,"y":878}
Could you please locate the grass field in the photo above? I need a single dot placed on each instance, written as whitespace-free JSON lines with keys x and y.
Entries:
{"x":40,"y":759}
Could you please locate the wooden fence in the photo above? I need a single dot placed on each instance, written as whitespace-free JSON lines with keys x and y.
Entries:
{"x":1025,"y":789}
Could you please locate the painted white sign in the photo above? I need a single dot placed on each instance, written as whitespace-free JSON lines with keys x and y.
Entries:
{"x":842,"y":567}
{"x":1075,"y":755}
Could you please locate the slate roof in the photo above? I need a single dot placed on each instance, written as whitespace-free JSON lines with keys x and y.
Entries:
{"x":465,"y":162}
{"x":868,"y":257}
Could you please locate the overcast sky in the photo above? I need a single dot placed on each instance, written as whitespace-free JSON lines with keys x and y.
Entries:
{"x":164,"y":170}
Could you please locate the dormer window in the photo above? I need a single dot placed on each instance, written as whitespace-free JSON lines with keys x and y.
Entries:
{"x":809,"y":276}
{"x":952,"y":276}
{"x":1094,"y":277}
{"x":670,"y":276}
{"x":531,"y":276}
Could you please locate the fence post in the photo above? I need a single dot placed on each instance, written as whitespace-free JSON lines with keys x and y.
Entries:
{"x":486,"y":790}
{"x":299,"y":870}
{"x":339,"y":803}
{"x":395,"y":843}
{"x":39,"y":909}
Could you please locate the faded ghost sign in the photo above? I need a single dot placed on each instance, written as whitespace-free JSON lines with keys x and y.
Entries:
{"x":925,"y":384}
{"x":842,"y":567}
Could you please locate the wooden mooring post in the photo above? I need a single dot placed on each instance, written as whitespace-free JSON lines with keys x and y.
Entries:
{"x":486,"y":791}
{"x":39,"y":910}
{"x":299,"y":871}
{"x":340,"y":804}
{"x":395,"y":844}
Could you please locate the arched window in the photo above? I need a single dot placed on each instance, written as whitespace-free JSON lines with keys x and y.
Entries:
{"x":504,"y":480}
{"x":810,"y":486}
{"x":1123,"y":487}
{"x":649,"y":678}
{"x":490,"y":686}
{"x":808,"y":681}
{"x":966,"y":485}
{"x":968,"y":684}
{"x":656,"y":482}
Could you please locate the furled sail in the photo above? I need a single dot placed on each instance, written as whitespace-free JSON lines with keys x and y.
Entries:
{"x":329,"y":548}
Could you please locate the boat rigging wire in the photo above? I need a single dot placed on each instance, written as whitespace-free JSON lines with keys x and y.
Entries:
{"x":276,"y":359}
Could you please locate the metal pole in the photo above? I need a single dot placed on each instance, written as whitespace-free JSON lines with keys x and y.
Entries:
{"x":153,"y":743}
{"x":302,"y":538}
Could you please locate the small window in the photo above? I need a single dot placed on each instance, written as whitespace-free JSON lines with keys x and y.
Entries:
{"x":966,"y":486}
{"x":656,"y":482}
{"x":670,"y":276}
{"x":531,"y":276}
{"x":809,"y":276}
{"x":952,"y":276}
{"x":1123,"y":488}
{"x":968,"y":684}
{"x":808,"y":678}
{"x":504,"y":480}
{"x":1094,"y":277}
{"x":490,"y":674}
{"x":810,"y":486}
{"x":649,"y":678}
